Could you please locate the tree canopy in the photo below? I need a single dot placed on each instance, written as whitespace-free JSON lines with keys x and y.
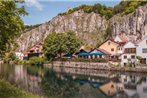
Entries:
{"x":124,"y":7}
{"x":10,"y":22}
{"x":58,"y":43}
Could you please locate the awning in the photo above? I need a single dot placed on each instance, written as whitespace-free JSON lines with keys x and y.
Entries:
{"x":83,"y":54}
{"x":97,"y":53}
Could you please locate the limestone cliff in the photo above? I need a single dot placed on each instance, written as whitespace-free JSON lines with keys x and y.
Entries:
{"x":133,"y":25}
{"x":90,"y":27}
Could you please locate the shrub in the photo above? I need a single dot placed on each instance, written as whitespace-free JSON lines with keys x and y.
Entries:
{"x":6,"y":60}
{"x":9,"y":91}
{"x":36,"y":61}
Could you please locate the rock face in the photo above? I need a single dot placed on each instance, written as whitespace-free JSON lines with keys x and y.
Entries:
{"x":133,"y":25}
{"x":81,"y":23}
{"x":89,"y":27}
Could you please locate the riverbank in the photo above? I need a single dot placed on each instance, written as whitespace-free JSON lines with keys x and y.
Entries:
{"x":95,"y":66}
{"x":9,"y":91}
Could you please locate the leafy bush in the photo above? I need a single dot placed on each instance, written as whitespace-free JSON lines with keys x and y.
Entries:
{"x":36,"y":61}
{"x":6,"y":60}
{"x":9,"y":57}
{"x":9,"y":91}
{"x":18,"y":61}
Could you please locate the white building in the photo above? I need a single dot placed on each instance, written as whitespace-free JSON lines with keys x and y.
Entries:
{"x":19,"y":55}
{"x":142,"y":50}
{"x":129,"y":54}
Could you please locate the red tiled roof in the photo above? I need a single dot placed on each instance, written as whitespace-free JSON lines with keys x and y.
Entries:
{"x":124,"y":39}
{"x":121,"y":43}
{"x":32,"y":49}
{"x":25,"y":53}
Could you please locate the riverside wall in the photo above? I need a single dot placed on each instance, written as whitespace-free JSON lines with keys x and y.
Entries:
{"x":95,"y":66}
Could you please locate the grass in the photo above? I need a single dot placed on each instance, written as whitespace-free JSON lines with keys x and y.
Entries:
{"x":9,"y":91}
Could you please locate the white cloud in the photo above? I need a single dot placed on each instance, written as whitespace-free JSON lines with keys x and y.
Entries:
{"x":34,"y":3}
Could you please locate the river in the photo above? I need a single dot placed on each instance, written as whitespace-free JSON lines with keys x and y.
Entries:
{"x":75,"y":83}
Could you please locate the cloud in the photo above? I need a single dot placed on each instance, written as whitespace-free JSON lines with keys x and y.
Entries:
{"x":34,"y":3}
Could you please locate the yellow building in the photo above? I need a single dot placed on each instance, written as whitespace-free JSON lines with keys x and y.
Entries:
{"x":110,"y":46}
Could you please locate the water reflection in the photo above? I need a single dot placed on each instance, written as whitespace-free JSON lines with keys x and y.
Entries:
{"x":76,"y":83}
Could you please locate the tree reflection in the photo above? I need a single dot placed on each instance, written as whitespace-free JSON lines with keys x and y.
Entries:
{"x":54,"y":87}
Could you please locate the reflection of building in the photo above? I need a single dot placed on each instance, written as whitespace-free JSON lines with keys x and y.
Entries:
{"x":134,"y":86}
{"x":110,"y":88}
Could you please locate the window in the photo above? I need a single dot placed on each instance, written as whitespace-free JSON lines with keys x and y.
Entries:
{"x":130,"y":50}
{"x":143,"y":61}
{"x":119,"y":48}
{"x":144,"y":50}
{"x":112,"y":49}
{"x":133,"y":56}
{"x":108,"y":43}
{"x":125,"y":57}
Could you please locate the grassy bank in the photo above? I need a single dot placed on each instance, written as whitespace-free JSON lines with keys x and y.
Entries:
{"x":9,"y":91}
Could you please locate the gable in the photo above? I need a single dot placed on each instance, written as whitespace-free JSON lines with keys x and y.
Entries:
{"x":117,"y":39}
{"x":111,"y":43}
{"x":129,"y":45}
{"x":95,"y":50}
{"x":143,"y":42}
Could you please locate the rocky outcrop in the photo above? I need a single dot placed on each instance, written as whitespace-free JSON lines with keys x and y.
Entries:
{"x":90,"y":27}
{"x":83,"y":24}
{"x":133,"y":25}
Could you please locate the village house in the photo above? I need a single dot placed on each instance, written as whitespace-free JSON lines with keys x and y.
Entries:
{"x":129,"y":54}
{"x":19,"y":55}
{"x":92,"y":54}
{"x":142,"y":50}
{"x":32,"y":52}
{"x":112,"y":47}
{"x":98,"y":53}
{"x":35,"y":51}
{"x":121,"y":40}
{"x":82,"y":53}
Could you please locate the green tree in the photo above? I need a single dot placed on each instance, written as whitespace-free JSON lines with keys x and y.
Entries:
{"x":10,"y":22}
{"x":57,"y":43}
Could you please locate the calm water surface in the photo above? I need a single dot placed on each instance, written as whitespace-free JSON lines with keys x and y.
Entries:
{"x":90,"y":83}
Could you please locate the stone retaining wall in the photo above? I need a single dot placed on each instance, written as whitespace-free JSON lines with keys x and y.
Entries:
{"x":95,"y":66}
{"x":88,"y":65}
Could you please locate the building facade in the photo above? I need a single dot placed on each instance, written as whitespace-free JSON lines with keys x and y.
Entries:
{"x":110,"y":46}
{"x":142,"y":50}
{"x":129,"y":54}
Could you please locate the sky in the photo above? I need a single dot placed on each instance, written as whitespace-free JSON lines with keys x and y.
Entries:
{"x":41,"y":11}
